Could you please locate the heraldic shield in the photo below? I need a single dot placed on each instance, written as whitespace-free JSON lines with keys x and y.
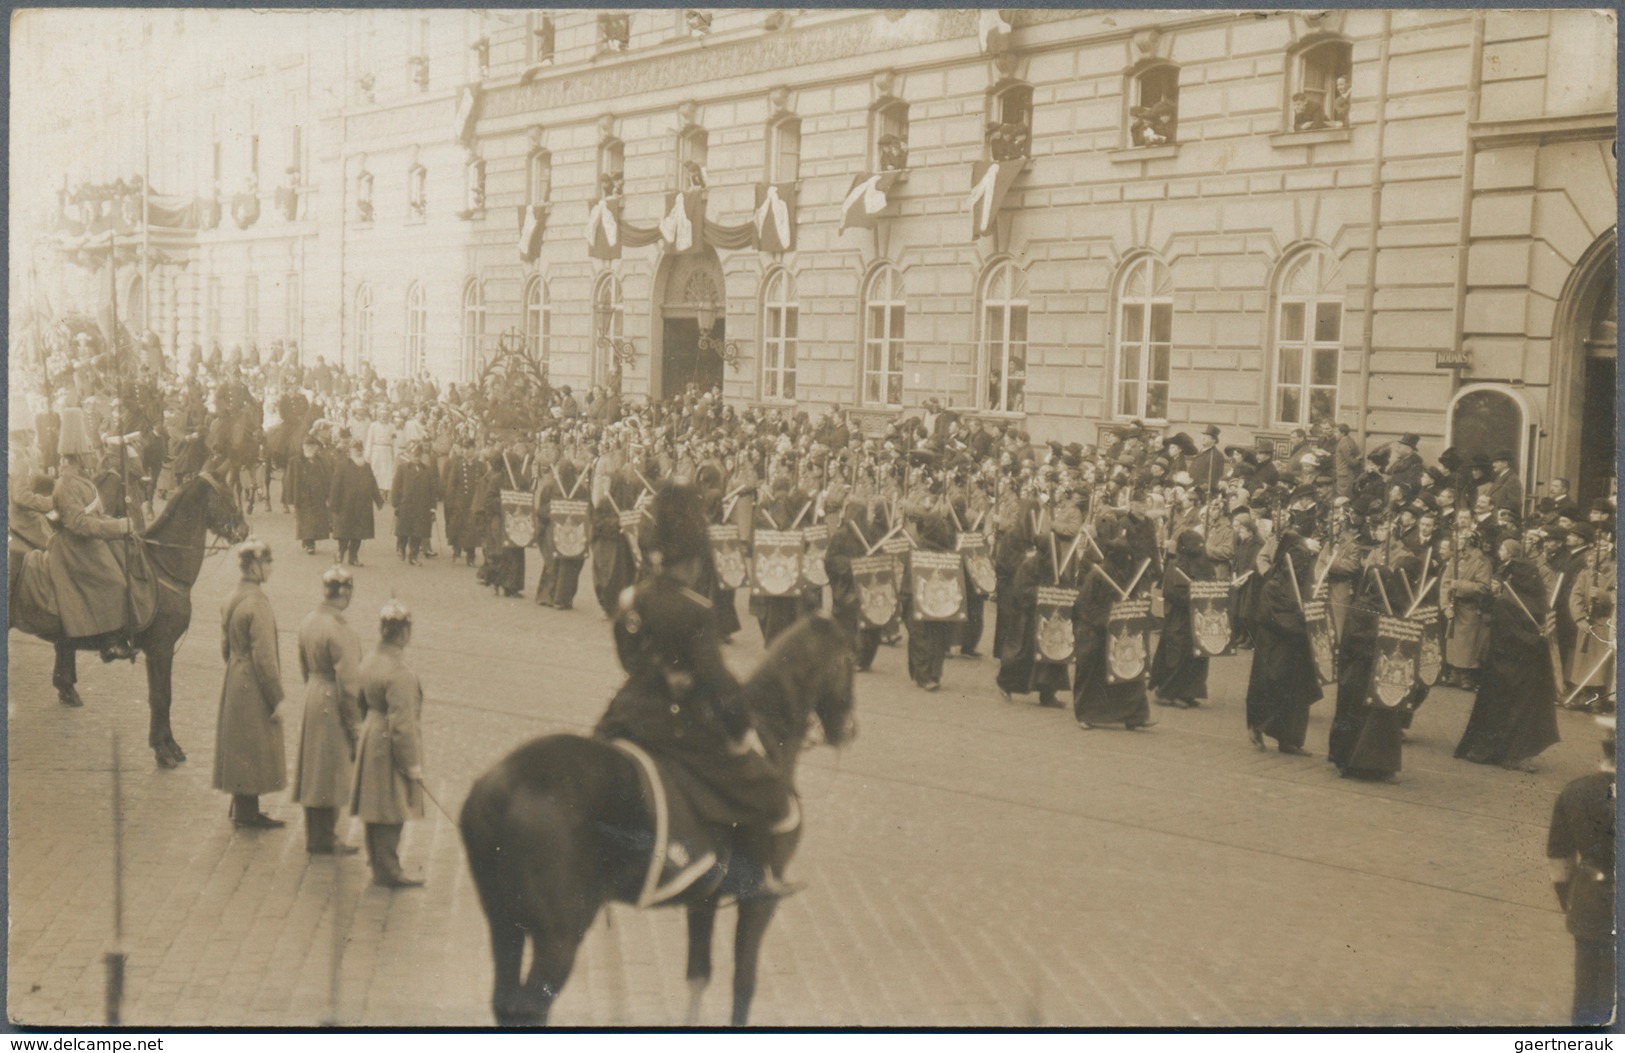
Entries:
{"x":518,"y":521}
{"x":1320,"y":640}
{"x":1053,"y":638}
{"x":877,"y":590}
{"x":939,"y":586}
{"x":1394,"y":674}
{"x":728,"y":553}
{"x":1126,"y":651}
{"x":1430,"y":652}
{"x":1210,"y":617}
{"x":569,"y":521}
{"x":813,"y":571}
{"x":778,"y":562}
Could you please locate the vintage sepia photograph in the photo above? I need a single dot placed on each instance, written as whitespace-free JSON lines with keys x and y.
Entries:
{"x":811,"y":518}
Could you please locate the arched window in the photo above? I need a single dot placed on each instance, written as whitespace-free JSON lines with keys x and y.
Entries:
{"x":1308,"y":340}
{"x":417,"y":329}
{"x":363,"y":324}
{"x":883,"y":337}
{"x":1322,"y":73}
{"x":1145,"y":316}
{"x":779,"y":328}
{"x":537,"y":322}
{"x":473,"y":328}
{"x":888,"y":136}
{"x":784,"y":150}
{"x":1154,"y":105}
{"x":1004,"y":338}
{"x":608,"y":324}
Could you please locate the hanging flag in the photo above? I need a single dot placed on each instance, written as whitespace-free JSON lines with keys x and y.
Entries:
{"x":604,"y":229}
{"x":990,"y":182}
{"x":1393,"y":674}
{"x":866,"y":200}
{"x":1318,"y":621}
{"x":1210,"y":618}
{"x":1053,"y":639}
{"x":775,"y":217}
{"x":778,"y":563}
{"x":531,"y":219}
{"x":683,"y":227}
{"x":1127,"y":629}
{"x":462,"y":126}
{"x":813,"y":571}
{"x":876,"y":582}
{"x":245,"y":209}
{"x":568,"y":523}
{"x":728,"y":553}
{"x":938,"y":580}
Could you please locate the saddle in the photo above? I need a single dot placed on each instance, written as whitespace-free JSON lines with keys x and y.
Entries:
{"x":687,"y":850}
{"x":33,"y":607}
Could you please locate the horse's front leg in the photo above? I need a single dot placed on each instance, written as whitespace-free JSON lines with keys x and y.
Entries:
{"x":754,"y":914}
{"x":160,"y":666}
{"x":702,"y":919}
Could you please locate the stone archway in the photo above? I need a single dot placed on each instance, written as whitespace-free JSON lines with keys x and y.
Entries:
{"x":1582,"y":408}
{"x":691,"y":305}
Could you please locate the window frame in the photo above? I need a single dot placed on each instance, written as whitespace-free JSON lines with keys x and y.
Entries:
{"x":693,"y":144}
{"x":1015,"y":288}
{"x":1323,"y":268}
{"x":539,"y":174}
{"x":778,"y":364}
{"x":474,"y":319}
{"x":1146,"y":346}
{"x":417,"y":329}
{"x":785,"y":125}
{"x":888,"y":116}
{"x":608,"y":319}
{"x":365,"y":324}
{"x":1308,"y":53}
{"x":889,"y":344}
{"x":417,"y":191}
{"x":999,"y":101}
{"x":538,"y":319}
{"x":1135,"y":95}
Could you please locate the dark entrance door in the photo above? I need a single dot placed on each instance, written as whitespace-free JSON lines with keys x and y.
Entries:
{"x":684,"y":363}
{"x":1596,"y":432}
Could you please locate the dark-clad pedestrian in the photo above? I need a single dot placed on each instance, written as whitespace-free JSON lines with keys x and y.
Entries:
{"x":1179,"y":670}
{"x":461,"y":483}
{"x":388,"y":789}
{"x":1096,"y":701}
{"x":1580,"y":853}
{"x":330,"y":662}
{"x":249,"y":758}
{"x":927,"y":639}
{"x":1283,"y":683}
{"x":413,"y":493}
{"x":353,"y":498}
{"x":309,"y":483}
{"x":847,"y":530}
{"x":1020,"y":670}
{"x":1366,"y":738}
{"x":1514,"y":716}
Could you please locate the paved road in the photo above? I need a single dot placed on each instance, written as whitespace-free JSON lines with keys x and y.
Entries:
{"x":971,"y":863}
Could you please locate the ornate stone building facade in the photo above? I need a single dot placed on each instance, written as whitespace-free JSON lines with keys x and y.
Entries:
{"x":1403,"y":220}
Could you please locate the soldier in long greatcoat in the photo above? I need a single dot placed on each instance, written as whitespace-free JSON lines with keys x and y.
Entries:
{"x":249,"y":758}
{"x":309,"y":482}
{"x":388,"y":789}
{"x":414,"y":491}
{"x":330,"y":662}
{"x":353,"y":497}
{"x":461,"y":483}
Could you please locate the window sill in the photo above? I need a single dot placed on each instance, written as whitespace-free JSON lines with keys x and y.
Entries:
{"x":1143,"y":153}
{"x":1312,"y":137}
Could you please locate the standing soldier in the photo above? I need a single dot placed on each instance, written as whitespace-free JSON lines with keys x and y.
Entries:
{"x":388,"y":789}
{"x":462,"y":480}
{"x":413,"y":494}
{"x":330,"y":662}
{"x":1580,"y":853}
{"x":248,"y":749}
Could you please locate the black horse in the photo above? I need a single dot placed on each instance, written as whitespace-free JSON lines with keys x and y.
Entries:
{"x":560,"y":827}
{"x":175,"y":545}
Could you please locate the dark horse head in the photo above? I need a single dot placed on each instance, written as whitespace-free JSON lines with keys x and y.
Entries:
{"x":180,"y":532}
{"x":808,"y":671}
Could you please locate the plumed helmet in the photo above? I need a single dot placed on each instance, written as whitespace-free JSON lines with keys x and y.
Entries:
{"x":680,"y":524}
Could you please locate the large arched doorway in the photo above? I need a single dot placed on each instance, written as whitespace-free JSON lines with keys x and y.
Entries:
{"x":1583,"y":357}
{"x":692,"y":313}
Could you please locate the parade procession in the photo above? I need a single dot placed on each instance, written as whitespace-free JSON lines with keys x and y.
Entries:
{"x":1225,"y":594}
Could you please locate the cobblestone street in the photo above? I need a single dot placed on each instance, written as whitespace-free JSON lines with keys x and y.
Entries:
{"x":970,"y":862}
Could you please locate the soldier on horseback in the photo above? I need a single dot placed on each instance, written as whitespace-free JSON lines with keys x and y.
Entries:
{"x":682,"y":704}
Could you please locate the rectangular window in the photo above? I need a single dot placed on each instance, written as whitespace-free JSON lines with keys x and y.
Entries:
{"x":780,"y":364}
{"x":1307,"y":363}
{"x":784,"y":153}
{"x":1145,"y":352}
